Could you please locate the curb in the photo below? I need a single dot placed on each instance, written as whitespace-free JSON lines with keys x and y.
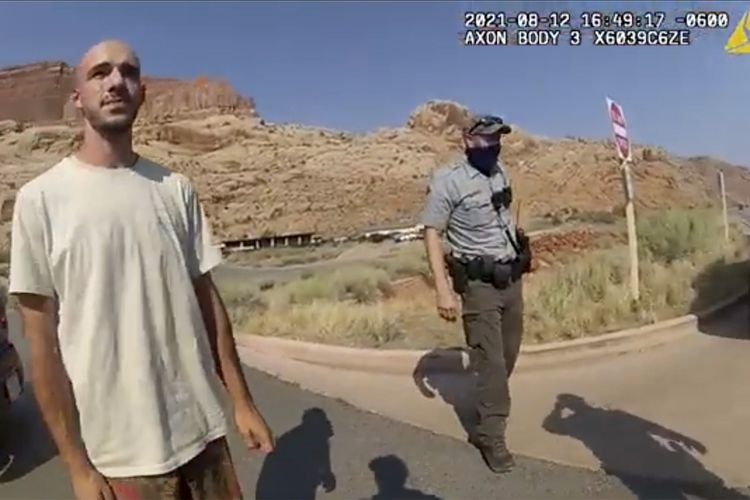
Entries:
{"x":455,"y":360}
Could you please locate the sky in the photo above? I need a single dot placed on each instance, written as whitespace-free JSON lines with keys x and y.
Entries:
{"x":360,"y":66}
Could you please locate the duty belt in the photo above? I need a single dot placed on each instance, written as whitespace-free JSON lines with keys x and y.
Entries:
{"x":485,"y":268}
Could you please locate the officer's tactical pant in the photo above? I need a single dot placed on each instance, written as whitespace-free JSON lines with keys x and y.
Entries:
{"x":493,"y":326}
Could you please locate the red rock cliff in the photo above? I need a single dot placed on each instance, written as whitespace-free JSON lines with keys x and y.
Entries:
{"x":35,"y":92}
{"x":168,"y":98}
{"x":39,"y":93}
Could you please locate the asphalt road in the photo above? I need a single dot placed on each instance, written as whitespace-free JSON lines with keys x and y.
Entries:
{"x":315,"y":435}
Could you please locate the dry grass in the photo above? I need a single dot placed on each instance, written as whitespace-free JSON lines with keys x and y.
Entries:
{"x":285,"y":256}
{"x":684,"y":265}
{"x":405,"y":260}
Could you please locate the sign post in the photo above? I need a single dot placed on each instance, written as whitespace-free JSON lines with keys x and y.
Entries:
{"x":622,"y":144}
{"x":723,"y":191}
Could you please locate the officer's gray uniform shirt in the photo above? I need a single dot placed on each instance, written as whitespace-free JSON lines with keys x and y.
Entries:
{"x":459,"y":202}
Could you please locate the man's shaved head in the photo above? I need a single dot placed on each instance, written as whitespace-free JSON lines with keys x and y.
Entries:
{"x":106,"y":50}
{"x":108,"y":87}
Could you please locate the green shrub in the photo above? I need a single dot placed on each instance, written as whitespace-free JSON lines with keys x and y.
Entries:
{"x":666,"y":236}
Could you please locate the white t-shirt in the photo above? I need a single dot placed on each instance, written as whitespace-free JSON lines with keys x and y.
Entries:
{"x":119,"y":248}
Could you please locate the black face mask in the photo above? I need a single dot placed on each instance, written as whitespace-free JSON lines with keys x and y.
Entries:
{"x":483,"y":159}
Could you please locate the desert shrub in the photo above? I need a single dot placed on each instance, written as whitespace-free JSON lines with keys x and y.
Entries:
{"x":360,"y":284}
{"x":685,"y":265}
{"x":409,"y":260}
{"x":669,"y":235}
{"x":591,"y":294}
{"x":596,"y":217}
{"x":365,"y":325}
{"x":242,"y":301}
{"x":584,"y":296}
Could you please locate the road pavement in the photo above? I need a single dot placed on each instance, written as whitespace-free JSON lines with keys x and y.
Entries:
{"x":668,"y":421}
{"x":365,"y":454}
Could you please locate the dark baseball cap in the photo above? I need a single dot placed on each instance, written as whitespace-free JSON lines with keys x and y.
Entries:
{"x":487,"y":125}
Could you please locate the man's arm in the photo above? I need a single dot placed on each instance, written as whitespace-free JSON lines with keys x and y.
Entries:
{"x":31,"y":282}
{"x":50,"y":381}
{"x":250,"y":423}
{"x":220,"y":336}
{"x":435,"y":217}
{"x":203,"y":256}
{"x":436,"y":259}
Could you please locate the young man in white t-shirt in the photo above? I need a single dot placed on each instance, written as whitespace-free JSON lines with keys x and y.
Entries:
{"x":130,"y":381}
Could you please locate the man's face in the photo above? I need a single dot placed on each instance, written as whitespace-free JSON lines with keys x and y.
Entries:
{"x":109,"y":90}
{"x":482,"y":151}
{"x":481,"y":142}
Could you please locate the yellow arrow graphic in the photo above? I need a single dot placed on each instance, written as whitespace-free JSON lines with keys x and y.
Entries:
{"x":739,"y":41}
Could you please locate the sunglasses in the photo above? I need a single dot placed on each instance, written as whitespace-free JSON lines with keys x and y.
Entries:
{"x":485,"y":121}
{"x":482,"y":140}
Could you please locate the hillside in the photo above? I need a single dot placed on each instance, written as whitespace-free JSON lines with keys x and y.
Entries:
{"x":256,"y":177}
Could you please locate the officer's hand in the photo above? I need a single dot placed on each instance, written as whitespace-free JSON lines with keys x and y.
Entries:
{"x":446,"y":305}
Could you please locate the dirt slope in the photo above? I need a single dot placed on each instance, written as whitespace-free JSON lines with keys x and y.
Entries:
{"x":257,"y":177}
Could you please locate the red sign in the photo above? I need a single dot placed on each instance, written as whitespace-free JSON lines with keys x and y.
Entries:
{"x":619,"y":129}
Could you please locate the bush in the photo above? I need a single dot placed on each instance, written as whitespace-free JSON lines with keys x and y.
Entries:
{"x":582,"y":297}
{"x":365,"y":325}
{"x":409,"y":260}
{"x":676,"y":234}
{"x":596,"y":217}
{"x":685,"y":265}
{"x":360,"y":284}
{"x":242,"y":301}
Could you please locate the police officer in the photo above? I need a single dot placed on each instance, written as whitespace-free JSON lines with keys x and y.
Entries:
{"x":470,"y":201}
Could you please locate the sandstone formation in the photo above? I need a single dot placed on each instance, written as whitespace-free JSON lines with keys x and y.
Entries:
{"x":170,"y":99}
{"x":40,"y":94}
{"x":35,"y":93}
{"x":439,"y":117}
{"x":257,"y":178}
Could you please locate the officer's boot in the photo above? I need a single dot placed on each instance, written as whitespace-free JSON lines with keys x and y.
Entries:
{"x":501,"y":460}
{"x":495,"y":451}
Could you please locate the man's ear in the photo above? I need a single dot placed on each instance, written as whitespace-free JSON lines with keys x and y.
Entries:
{"x":75,"y":97}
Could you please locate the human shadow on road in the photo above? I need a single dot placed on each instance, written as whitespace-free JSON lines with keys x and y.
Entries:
{"x":442,"y":371}
{"x":717,"y":281}
{"x":650,"y":460}
{"x":391,"y":474}
{"x":300,"y":462}
{"x":25,"y":443}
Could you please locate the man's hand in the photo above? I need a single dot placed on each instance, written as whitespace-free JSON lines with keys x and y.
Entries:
{"x":254,"y":430}
{"x":88,"y":484}
{"x":248,"y":419}
{"x":695,"y":447}
{"x":691,"y":445}
{"x":329,"y":482}
{"x":446,"y":305}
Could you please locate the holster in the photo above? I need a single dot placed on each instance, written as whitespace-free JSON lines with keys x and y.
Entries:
{"x":485,"y":268}
{"x":522,"y":263}
{"x":457,"y":272}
